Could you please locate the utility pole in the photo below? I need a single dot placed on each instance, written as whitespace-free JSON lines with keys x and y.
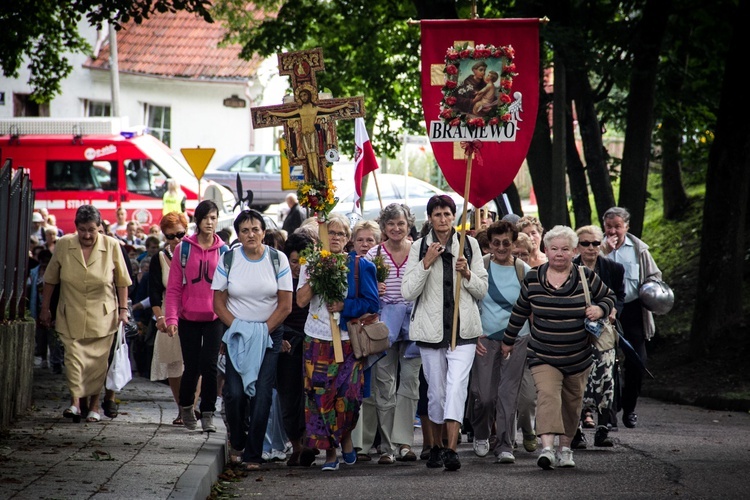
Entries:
{"x":114,"y":71}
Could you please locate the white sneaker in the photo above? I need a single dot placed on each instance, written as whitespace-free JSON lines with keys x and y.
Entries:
{"x":546,"y":459}
{"x":481,"y":447}
{"x":506,"y":457}
{"x":565,"y":457}
{"x":278,"y":456}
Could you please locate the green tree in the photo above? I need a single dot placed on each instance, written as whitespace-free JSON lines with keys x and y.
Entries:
{"x":723,"y":243}
{"x":45,"y":31}
{"x":369,"y":49}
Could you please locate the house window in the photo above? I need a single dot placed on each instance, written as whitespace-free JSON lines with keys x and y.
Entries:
{"x":24,"y":106}
{"x":159,"y":122}
{"x":98,"y":108}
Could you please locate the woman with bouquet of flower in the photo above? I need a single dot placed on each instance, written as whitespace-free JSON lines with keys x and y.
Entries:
{"x":396,"y":408}
{"x":333,"y":391}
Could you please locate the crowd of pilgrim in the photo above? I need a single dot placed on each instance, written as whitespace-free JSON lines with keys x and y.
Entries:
{"x":236,"y":330}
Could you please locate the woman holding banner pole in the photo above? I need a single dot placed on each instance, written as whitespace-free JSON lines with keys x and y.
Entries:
{"x":430,"y":281}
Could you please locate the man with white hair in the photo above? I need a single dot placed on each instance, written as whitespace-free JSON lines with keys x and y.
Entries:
{"x":295,"y":216}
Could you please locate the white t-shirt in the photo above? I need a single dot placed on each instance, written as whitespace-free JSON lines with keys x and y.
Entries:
{"x":318,"y":324}
{"x":252,"y":286}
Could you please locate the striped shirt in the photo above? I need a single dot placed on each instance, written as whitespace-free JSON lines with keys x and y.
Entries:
{"x":558,"y":337}
{"x":395,"y":276}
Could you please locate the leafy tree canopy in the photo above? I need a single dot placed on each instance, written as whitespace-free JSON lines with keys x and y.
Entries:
{"x":368,"y":47}
{"x":44,"y":30}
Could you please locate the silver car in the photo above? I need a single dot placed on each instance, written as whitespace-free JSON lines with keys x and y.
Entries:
{"x":260,"y":172}
{"x":393,"y":189}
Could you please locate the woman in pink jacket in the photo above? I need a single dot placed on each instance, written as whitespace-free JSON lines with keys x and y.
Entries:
{"x":189,"y":311}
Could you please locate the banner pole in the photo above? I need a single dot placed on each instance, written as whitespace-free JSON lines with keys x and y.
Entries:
{"x":377,"y":188}
{"x":338,"y":351}
{"x":462,"y":238}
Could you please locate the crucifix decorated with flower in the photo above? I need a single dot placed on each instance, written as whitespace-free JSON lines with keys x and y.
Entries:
{"x":309,"y":122}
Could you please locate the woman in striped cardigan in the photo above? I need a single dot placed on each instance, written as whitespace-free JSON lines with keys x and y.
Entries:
{"x":559,"y":350}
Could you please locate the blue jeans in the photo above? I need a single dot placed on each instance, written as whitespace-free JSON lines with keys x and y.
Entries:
{"x":275,"y":438}
{"x":247,"y":418}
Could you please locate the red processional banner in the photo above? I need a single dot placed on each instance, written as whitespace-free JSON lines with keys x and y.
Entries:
{"x":480,"y":92}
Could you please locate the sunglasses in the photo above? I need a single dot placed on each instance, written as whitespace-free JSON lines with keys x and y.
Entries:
{"x":589,"y":243}
{"x":502,"y":243}
{"x":179,"y":235}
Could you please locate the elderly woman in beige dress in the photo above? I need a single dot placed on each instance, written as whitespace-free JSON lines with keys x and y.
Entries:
{"x":93,"y":279}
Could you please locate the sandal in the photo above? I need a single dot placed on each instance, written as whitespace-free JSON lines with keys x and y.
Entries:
{"x":251,"y":466}
{"x":110,"y":408}
{"x":93,"y":417}
{"x":73,"y":413}
{"x":177,"y":421}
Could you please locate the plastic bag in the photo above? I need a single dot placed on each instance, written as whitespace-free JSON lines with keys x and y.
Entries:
{"x":120,"y":372}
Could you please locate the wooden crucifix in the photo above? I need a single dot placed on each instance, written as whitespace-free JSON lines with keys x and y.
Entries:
{"x":310,"y":129}
{"x":309,"y":122}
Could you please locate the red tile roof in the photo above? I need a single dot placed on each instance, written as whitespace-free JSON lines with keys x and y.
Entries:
{"x":180,"y":45}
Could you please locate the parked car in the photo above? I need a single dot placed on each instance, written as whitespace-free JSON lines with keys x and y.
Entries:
{"x":393,"y":189}
{"x":259,"y":171}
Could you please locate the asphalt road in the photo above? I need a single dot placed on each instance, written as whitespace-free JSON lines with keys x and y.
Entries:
{"x":675,"y":452}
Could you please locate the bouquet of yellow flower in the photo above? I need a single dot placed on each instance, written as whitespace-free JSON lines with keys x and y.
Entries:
{"x":382,"y":270}
{"x":317,"y":196}
{"x":327,"y":273}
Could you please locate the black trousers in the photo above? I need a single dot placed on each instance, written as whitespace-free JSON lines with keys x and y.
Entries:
{"x":200,"y":341}
{"x":290,"y":387}
{"x":632,"y":380}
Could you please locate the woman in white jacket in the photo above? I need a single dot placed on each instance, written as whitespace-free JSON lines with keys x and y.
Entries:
{"x":429,"y":281}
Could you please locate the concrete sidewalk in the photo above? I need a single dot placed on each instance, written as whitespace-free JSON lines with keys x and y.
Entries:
{"x":139,"y":454}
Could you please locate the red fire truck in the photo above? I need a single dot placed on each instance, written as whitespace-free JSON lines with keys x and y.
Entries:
{"x":73,"y":162}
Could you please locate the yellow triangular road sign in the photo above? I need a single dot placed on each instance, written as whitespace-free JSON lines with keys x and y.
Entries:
{"x":198,"y":159}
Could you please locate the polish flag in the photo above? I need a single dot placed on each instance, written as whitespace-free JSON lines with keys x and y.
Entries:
{"x":364,"y":157}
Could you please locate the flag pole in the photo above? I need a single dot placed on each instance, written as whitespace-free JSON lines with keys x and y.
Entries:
{"x":462,"y":244}
{"x":377,"y":188}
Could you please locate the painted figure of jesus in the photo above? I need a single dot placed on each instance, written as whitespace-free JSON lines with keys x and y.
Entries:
{"x":308,"y":113}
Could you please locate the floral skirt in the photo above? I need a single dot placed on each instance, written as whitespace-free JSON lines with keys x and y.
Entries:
{"x":600,"y":388}
{"x":333,"y":393}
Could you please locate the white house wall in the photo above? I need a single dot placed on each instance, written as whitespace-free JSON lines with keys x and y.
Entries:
{"x":198,"y":115}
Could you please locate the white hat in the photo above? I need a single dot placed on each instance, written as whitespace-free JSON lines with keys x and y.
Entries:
{"x":37,"y":217}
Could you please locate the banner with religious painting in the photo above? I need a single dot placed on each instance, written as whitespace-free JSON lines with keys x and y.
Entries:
{"x":480,"y":85}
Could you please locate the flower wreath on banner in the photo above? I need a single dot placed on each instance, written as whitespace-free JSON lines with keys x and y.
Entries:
{"x":451,"y":89}
{"x":318,"y":196}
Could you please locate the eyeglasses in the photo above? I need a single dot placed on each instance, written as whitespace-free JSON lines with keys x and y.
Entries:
{"x":503,"y":243}
{"x":336,"y":234}
{"x":589,"y":243}
{"x":179,"y":235}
